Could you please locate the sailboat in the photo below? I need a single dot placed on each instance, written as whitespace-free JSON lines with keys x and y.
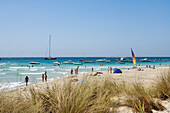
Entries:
{"x":50,"y":58}
{"x":134,"y":59}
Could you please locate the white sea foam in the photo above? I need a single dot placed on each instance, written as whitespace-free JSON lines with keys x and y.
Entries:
{"x":19,"y":67}
{"x":2,"y":64}
{"x":14,"y":64}
{"x":64,"y":73}
{"x":33,"y":70}
{"x":31,"y":73}
{"x":67,"y":69}
{"x":50,"y":69}
{"x":11,"y":85}
{"x":27,"y":67}
{"x":2,"y":73}
{"x":8,"y":69}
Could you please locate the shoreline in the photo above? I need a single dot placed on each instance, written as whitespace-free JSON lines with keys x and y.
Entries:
{"x":148,"y":76}
{"x":65,"y":88}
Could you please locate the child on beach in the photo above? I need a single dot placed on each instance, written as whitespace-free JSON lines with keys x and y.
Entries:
{"x":42,"y":77}
{"x":26,"y":80}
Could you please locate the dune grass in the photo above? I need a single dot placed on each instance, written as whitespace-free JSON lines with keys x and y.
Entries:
{"x":90,"y":96}
{"x":93,"y":95}
{"x":140,"y":100}
{"x":162,"y":85}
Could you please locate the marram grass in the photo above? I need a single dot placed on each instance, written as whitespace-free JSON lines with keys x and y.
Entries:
{"x":90,"y":96}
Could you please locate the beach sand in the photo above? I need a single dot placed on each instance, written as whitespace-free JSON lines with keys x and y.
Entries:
{"x":146,"y":77}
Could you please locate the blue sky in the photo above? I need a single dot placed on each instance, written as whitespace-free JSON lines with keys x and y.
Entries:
{"x":94,"y":27}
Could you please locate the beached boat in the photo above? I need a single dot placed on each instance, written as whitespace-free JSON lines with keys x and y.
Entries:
{"x":88,"y":61}
{"x":68,"y":62}
{"x":57,"y":63}
{"x":34,"y":63}
{"x":145,"y":60}
{"x":77,"y":63}
{"x":50,"y":58}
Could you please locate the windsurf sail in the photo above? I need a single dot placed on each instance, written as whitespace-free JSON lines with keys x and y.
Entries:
{"x":134,"y":59}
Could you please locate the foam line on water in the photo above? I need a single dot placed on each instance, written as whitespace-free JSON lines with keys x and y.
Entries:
{"x":33,"y":70}
{"x":11,"y":85}
{"x":31,"y":73}
{"x":50,"y":69}
{"x":27,"y":67}
{"x":2,"y":64}
{"x":64,"y":73}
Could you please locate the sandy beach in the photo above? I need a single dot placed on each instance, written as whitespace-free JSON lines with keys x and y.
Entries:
{"x":147,"y":77}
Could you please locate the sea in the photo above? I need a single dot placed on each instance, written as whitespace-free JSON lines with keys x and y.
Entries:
{"x":13,"y":70}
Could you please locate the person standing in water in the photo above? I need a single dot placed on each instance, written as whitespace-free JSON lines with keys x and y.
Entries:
{"x":146,"y":65}
{"x":45,"y":76}
{"x":71,"y":71}
{"x":42,"y":77}
{"x":26,"y":80}
{"x":92,"y":69}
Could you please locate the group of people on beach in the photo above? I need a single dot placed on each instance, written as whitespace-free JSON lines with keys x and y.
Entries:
{"x":44,"y":76}
{"x":76,"y":71}
{"x":110,"y":69}
{"x":149,"y":66}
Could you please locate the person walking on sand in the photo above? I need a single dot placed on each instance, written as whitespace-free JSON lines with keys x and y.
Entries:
{"x":26,"y":80}
{"x":42,"y":77}
{"x":45,"y":76}
{"x":77,"y":69}
{"x":110,"y":69}
{"x":92,"y":69}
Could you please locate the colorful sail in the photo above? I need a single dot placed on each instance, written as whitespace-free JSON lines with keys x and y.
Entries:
{"x":134,"y":59}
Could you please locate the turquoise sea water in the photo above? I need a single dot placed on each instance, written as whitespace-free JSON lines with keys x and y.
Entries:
{"x":14,"y":70}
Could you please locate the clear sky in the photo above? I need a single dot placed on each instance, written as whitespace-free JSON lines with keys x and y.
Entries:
{"x":94,"y":27}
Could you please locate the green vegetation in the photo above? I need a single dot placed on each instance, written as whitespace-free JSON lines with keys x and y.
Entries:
{"x":90,"y":96}
{"x":140,"y":99}
{"x":162,"y":86}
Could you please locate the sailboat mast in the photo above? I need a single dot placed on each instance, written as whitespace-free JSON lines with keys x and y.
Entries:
{"x":50,"y":46}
